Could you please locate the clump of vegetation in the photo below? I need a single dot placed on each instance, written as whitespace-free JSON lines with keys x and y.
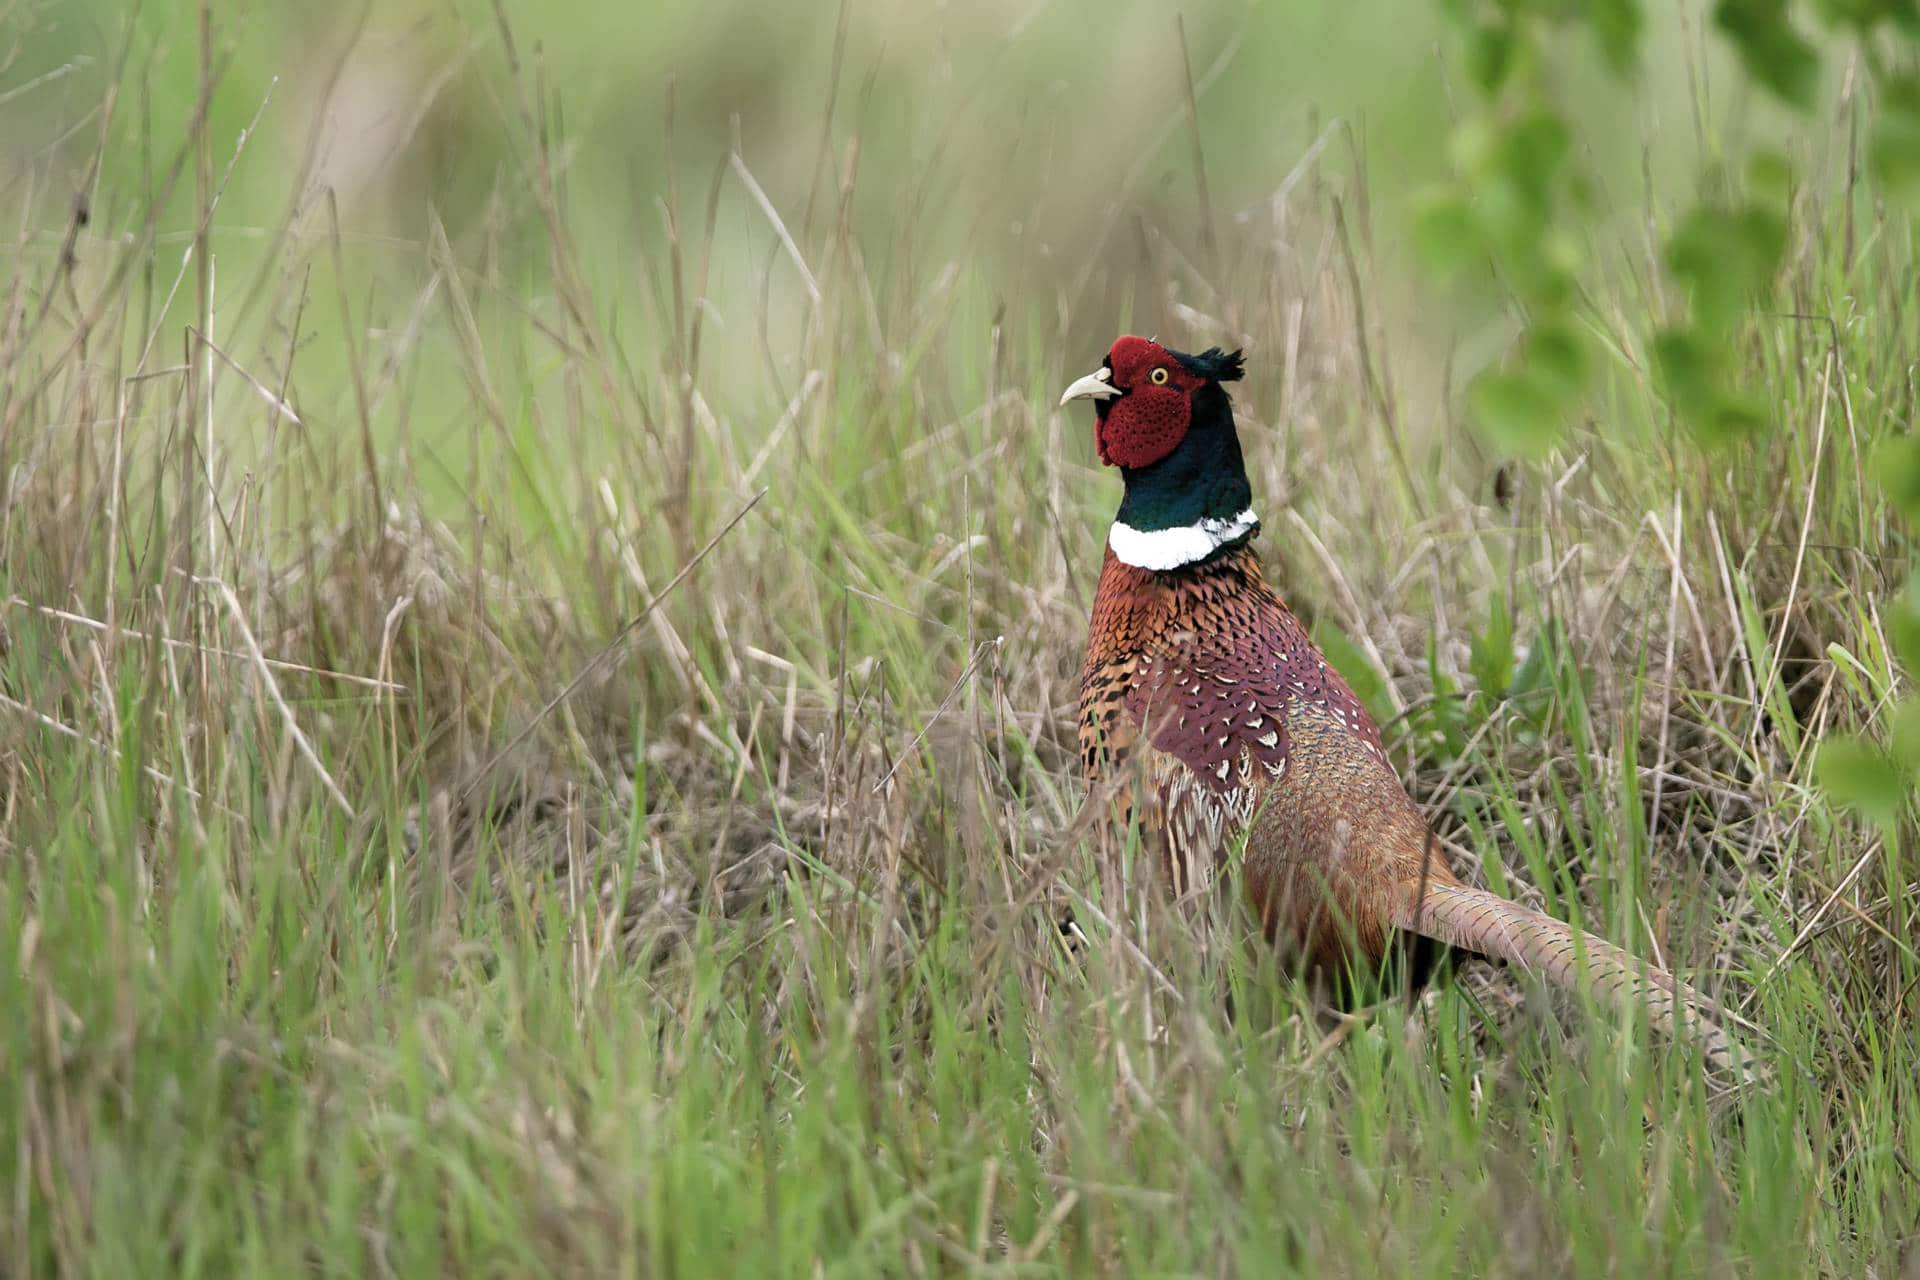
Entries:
{"x":536,"y":662}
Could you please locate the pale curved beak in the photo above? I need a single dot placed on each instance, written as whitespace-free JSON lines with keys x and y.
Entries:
{"x":1097,"y":385}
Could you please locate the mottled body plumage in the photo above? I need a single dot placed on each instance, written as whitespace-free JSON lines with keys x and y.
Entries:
{"x":1204,"y":682}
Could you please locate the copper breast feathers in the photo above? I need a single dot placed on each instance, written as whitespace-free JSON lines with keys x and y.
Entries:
{"x":1208,"y":667}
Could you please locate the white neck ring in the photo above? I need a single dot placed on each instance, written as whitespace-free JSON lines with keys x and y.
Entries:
{"x":1163,"y":549}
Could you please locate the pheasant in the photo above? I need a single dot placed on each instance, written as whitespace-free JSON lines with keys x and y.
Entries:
{"x":1243,"y":747}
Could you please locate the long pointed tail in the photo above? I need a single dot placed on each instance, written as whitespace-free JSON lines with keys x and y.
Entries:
{"x":1475,"y":920}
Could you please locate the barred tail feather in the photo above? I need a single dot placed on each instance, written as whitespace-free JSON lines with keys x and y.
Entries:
{"x":1475,"y":920}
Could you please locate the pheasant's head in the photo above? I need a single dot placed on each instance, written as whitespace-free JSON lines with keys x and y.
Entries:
{"x":1163,"y":418}
{"x":1148,"y":398}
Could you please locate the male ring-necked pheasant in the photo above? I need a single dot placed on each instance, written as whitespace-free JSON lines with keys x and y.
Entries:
{"x":1245,"y":740}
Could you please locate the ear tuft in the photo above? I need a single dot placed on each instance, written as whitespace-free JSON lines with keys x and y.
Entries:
{"x":1215,"y":364}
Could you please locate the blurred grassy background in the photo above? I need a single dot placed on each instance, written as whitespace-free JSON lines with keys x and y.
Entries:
{"x":1029,"y":147}
{"x":404,"y":869}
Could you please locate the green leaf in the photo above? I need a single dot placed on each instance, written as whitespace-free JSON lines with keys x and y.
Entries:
{"x":1896,"y":464}
{"x":1773,"y":52}
{"x":1864,"y":15}
{"x":1725,"y":257}
{"x":1616,"y":25}
{"x":1894,"y":151}
{"x":1860,"y":776}
{"x":1536,"y":147}
{"x":1517,"y":412}
{"x":1688,"y":371}
{"x":1906,"y":734}
{"x":1490,"y":56}
{"x":1540,"y":267}
{"x":1903,"y":626}
{"x":1557,"y":355}
{"x":1445,"y":233}
{"x":1734,"y":416}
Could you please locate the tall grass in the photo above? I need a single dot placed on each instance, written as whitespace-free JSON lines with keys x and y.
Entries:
{"x":439,"y":832}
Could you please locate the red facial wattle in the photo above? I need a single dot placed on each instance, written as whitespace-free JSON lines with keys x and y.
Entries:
{"x":1147,"y":421}
{"x":1143,"y":426}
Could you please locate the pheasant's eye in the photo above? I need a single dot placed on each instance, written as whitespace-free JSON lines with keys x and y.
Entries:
{"x":1158,"y":377}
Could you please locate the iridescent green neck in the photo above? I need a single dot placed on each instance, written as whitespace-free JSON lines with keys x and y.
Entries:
{"x":1191,"y":503}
